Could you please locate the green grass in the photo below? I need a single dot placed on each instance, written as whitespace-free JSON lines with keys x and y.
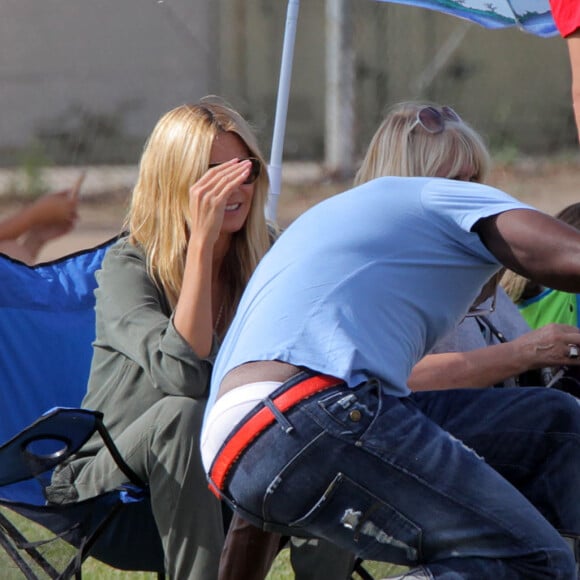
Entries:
{"x":95,"y":570}
{"x":281,"y":570}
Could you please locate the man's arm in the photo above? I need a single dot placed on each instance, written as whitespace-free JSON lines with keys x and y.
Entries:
{"x":535,"y":245}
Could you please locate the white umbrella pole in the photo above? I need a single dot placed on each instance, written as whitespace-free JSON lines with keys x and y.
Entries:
{"x":275,"y":167}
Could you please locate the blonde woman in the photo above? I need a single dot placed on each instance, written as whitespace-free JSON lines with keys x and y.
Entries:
{"x":411,"y":142}
{"x":166,"y":294}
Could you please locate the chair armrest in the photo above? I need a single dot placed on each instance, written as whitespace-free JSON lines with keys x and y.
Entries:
{"x":46,"y":443}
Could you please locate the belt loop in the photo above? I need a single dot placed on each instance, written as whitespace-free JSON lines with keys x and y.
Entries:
{"x":285,"y":425}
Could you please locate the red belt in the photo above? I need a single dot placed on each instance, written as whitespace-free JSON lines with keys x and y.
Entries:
{"x":246,"y":433}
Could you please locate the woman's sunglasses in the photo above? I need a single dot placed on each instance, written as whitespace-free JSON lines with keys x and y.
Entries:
{"x":433,"y":120}
{"x":254,"y":171}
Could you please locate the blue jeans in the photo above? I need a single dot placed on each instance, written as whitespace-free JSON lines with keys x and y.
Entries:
{"x":470,"y":484}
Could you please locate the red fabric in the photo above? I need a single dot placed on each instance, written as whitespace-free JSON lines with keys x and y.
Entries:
{"x":566,"y":15}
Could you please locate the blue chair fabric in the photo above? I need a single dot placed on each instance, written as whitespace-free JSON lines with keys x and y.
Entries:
{"x":47,"y":325}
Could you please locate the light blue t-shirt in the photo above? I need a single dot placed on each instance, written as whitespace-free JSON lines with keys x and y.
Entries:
{"x":363,"y":284}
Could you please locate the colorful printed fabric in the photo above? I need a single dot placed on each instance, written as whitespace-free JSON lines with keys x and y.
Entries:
{"x":533,"y":16}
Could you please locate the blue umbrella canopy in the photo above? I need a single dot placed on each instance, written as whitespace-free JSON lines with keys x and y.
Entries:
{"x":533,"y":16}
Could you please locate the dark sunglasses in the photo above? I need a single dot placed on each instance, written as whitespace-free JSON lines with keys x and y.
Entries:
{"x":254,"y":171}
{"x":433,"y":120}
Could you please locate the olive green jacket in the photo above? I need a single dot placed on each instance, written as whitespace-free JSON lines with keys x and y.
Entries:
{"x":138,"y":357}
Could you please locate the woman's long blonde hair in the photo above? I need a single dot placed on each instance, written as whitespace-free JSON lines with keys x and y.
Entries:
{"x":175,"y":156}
{"x":403,"y":148}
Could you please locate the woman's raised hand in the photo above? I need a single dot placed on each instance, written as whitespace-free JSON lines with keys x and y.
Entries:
{"x":209,"y":195}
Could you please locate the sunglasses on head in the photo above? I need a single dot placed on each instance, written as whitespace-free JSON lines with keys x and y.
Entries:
{"x":254,"y":171}
{"x":433,"y":119}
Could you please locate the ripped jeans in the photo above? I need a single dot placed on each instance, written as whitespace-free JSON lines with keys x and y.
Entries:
{"x":469,"y":484}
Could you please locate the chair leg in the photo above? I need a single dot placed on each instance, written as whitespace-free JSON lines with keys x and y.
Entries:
{"x":75,"y":565}
{"x":18,"y":538}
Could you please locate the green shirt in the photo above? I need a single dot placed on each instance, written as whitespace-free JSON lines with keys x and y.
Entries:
{"x":550,"y":306}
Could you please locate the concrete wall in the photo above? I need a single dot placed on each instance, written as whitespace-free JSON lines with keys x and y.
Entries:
{"x":512,"y":86}
{"x":65,"y":63}
{"x":92,"y":77}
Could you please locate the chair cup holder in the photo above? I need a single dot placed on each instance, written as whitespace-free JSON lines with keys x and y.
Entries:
{"x":45,"y":451}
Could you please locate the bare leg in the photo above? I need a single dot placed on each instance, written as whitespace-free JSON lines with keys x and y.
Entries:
{"x":248,"y":551}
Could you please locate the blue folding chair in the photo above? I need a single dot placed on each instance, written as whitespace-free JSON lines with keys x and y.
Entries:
{"x":47,"y":325}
